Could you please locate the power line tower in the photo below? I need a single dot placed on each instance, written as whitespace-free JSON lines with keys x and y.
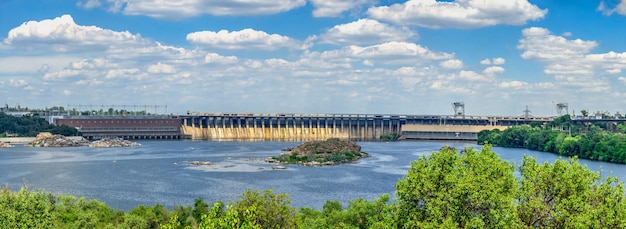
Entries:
{"x":560,"y":107}
{"x":459,"y":109}
{"x":526,"y":113}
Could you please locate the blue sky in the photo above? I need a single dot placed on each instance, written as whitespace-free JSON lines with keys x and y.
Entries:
{"x":316,"y":56}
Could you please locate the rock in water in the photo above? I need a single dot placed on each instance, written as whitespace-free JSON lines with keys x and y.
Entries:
{"x":46,"y":139}
{"x":113,"y":142}
{"x":329,"y":152}
{"x":5,"y":145}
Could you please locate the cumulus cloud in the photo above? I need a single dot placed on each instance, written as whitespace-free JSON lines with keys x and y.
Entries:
{"x":161,"y":68}
{"x":243,"y":39}
{"x":365,"y":31}
{"x":389,"y":53}
{"x":540,"y":43}
{"x":512,"y":84}
{"x":463,"y":14}
{"x":452,"y":64}
{"x":17,"y":83}
{"x":566,"y":57}
{"x":88,"y":4}
{"x":62,"y":34}
{"x":216,"y":58}
{"x":493,"y":70}
{"x":333,"y":8}
{"x":494,"y":61}
{"x":180,"y":9}
{"x":614,"y":71}
{"x":609,"y":7}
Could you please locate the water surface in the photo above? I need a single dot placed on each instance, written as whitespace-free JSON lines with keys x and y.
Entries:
{"x":157,"y":172}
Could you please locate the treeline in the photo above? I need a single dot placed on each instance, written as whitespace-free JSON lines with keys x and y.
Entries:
{"x":563,"y":137}
{"x":447,"y":189}
{"x":30,"y":126}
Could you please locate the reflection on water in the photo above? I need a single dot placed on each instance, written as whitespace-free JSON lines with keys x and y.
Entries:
{"x":159,"y":172}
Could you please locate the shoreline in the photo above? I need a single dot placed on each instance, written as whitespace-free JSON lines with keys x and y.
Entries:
{"x":26,"y":140}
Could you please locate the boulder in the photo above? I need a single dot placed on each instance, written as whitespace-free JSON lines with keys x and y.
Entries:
{"x":198,"y":163}
{"x":5,"y":145}
{"x":46,"y":139}
{"x":113,"y":142}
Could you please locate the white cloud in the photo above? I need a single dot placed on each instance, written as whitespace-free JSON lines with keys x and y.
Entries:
{"x":471,"y":76}
{"x":161,"y":68}
{"x":494,"y":61}
{"x":333,"y":8}
{"x":395,"y":49}
{"x":366,"y":31}
{"x":499,"y":61}
{"x":88,"y":4}
{"x":389,"y":53}
{"x":216,"y":58}
{"x":452,"y":64}
{"x":180,"y":9}
{"x":570,"y":61}
{"x":540,"y":43}
{"x":128,"y":73}
{"x":243,"y":39}
{"x":492,"y":70}
{"x":18,"y":83}
{"x":62,"y":34}
{"x":614,"y":71}
{"x":623,"y":79}
{"x":512,"y":84}
{"x":609,"y":7}
{"x":459,"y":13}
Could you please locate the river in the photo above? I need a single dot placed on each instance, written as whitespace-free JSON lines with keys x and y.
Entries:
{"x":156,"y":172}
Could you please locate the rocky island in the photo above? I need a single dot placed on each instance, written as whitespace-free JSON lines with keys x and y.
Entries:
{"x":46,"y":139}
{"x":317,"y":153}
{"x":113,"y":142}
{"x":5,"y":145}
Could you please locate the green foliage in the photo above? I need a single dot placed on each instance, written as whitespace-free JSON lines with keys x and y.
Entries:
{"x":475,"y":190}
{"x":253,"y":210}
{"x":389,"y":137}
{"x":566,"y":194}
{"x":31,"y":126}
{"x":564,"y":138}
{"x":331,"y":151}
{"x":359,"y":214}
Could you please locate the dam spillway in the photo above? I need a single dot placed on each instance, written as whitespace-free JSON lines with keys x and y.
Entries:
{"x":358,"y":127}
{"x":290,"y":127}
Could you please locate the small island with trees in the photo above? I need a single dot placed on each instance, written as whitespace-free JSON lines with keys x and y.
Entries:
{"x":318,"y":153}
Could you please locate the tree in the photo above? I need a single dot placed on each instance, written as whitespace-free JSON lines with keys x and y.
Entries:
{"x":584,"y":113}
{"x":565,"y":194}
{"x":447,"y":189}
{"x":253,"y":210}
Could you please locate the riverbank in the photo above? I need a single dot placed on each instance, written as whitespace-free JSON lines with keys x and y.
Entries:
{"x":26,"y":140}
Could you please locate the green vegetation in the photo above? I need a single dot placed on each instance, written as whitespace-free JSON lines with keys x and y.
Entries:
{"x":563,"y":137}
{"x":389,"y":137}
{"x":446,"y":189}
{"x":326,"y":152}
{"x":30,"y":126}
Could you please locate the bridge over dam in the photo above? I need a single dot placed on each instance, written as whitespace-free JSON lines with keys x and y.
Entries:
{"x":358,"y":127}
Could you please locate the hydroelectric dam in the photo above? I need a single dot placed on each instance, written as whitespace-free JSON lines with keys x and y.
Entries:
{"x":358,"y":127}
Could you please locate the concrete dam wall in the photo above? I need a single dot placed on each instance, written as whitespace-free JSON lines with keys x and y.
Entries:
{"x":289,"y":127}
{"x":358,"y":127}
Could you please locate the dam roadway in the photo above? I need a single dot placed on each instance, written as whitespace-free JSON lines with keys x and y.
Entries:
{"x":359,"y":127}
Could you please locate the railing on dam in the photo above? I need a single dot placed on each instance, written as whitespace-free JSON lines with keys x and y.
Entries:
{"x":303,"y":127}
